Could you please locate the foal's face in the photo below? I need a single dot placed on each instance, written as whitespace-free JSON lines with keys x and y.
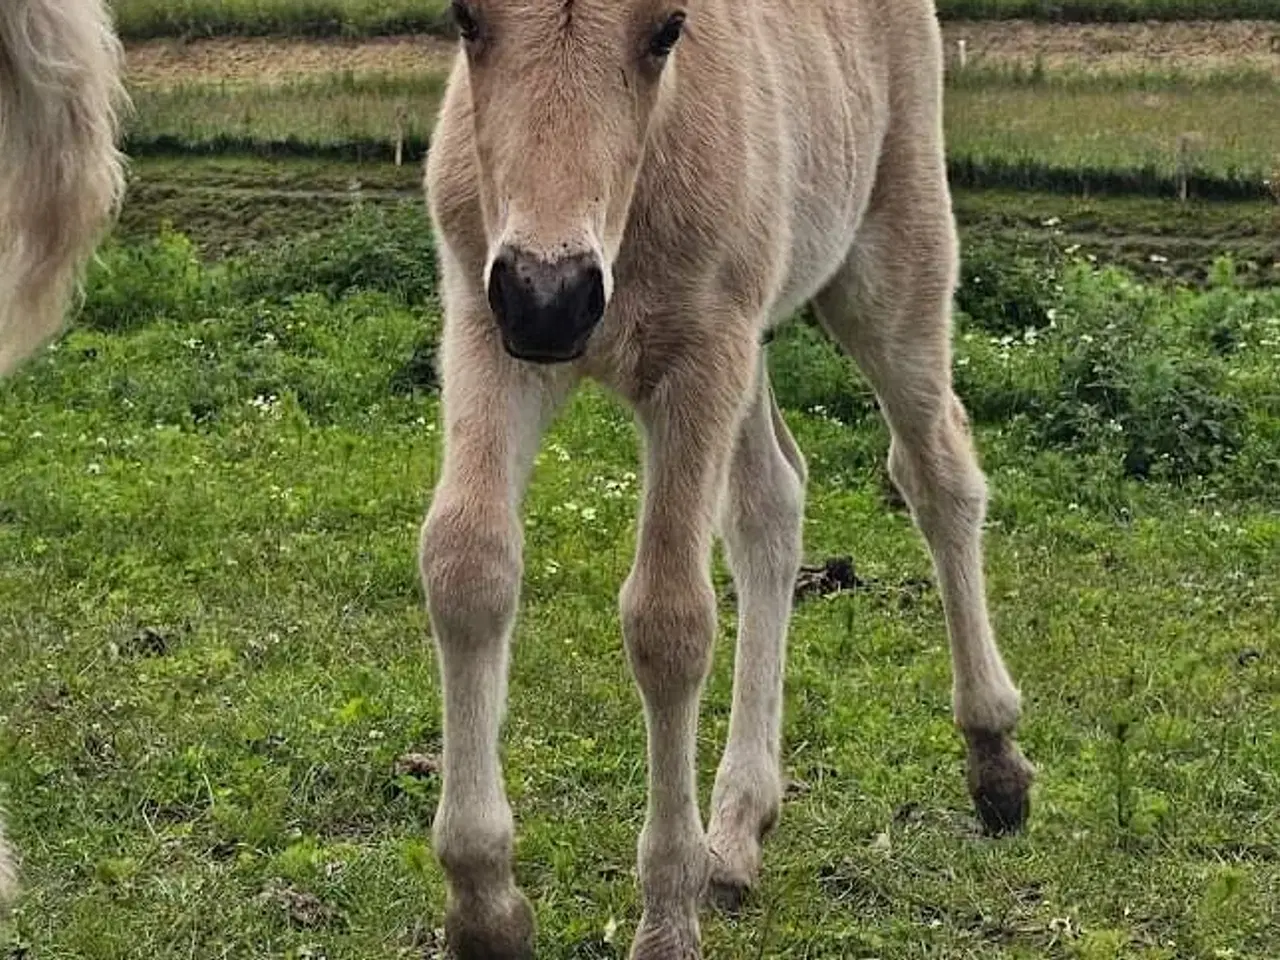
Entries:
{"x":563,"y":95}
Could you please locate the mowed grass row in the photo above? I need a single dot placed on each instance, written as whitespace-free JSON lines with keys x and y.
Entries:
{"x":1007,"y":129}
{"x":324,"y":112}
{"x":1151,"y":129}
{"x":153,"y":18}
{"x":216,"y":655}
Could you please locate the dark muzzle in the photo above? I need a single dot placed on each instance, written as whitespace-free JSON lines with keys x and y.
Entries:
{"x":546,"y":309}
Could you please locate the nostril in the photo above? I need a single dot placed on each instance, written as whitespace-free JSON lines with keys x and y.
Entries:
{"x":500,"y":277}
{"x":592,"y":297}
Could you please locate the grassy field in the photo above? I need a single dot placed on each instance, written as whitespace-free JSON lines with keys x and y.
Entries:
{"x":1117,"y":124}
{"x":229,"y":204}
{"x":152,"y":18}
{"x":1004,"y":128}
{"x":215,"y":651}
{"x":216,"y":659}
{"x":320,"y":112}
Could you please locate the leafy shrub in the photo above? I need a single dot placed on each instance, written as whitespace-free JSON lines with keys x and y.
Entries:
{"x":1008,"y":288}
{"x":1146,"y":382}
{"x":1123,"y":370}
{"x":389,"y":251}
{"x":375,"y":250}
{"x":128,"y":285}
{"x":1149,"y":382}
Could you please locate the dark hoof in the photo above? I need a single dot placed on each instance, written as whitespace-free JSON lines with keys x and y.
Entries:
{"x":727,"y":896}
{"x":502,"y":933}
{"x":999,"y":782}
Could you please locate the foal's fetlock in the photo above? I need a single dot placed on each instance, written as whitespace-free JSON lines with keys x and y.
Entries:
{"x":736,"y":837}
{"x":735,"y":868}
{"x":492,"y":928}
{"x":1000,"y":780}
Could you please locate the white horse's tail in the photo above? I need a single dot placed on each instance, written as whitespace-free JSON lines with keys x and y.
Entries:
{"x":61,"y":177}
{"x":61,"y":173}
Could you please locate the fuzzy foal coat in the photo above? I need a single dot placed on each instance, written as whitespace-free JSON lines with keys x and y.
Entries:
{"x":788,"y":151}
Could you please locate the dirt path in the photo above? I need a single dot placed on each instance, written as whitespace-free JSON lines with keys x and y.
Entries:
{"x":1198,"y":46}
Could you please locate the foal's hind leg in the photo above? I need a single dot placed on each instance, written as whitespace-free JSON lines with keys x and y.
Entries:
{"x":494,"y":412}
{"x":761,"y":525}
{"x":890,"y":307}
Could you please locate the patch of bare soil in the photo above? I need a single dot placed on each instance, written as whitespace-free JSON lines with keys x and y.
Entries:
{"x":1190,"y":46}
{"x":254,"y":60}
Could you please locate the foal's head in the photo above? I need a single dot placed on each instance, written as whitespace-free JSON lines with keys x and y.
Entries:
{"x":563,"y":94}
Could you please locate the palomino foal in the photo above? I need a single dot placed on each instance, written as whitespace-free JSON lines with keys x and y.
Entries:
{"x":636,"y":191}
{"x":61,"y":175}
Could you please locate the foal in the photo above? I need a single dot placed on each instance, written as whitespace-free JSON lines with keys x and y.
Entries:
{"x":61,"y":176}
{"x":636,"y":191}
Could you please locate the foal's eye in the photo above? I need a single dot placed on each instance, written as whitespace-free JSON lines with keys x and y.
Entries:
{"x":465,"y":20}
{"x":667,"y":35}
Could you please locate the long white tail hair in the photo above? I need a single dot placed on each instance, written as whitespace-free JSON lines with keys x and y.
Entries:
{"x":61,"y":172}
{"x":61,"y":177}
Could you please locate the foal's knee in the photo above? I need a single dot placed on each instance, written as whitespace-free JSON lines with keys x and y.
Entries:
{"x":668,"y":624}
{"x":470,"y":562}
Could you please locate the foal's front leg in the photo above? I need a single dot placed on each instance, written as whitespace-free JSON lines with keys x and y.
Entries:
{"x":669,"y":622}
{"x":494,"y":411}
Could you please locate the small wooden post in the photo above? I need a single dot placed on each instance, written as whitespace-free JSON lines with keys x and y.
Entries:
{"x":962,"y":53}
{"x":1184,"y":165}
{"x":401,"y":122}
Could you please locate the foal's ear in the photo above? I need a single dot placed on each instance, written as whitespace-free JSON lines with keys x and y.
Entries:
{"x":466,"y":20}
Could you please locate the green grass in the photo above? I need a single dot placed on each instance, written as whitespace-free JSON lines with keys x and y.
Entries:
{"x":316,"y":113}
{"x":235,"y":459}
{"x":153,"y":18}
{"x":1118,"y":126}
